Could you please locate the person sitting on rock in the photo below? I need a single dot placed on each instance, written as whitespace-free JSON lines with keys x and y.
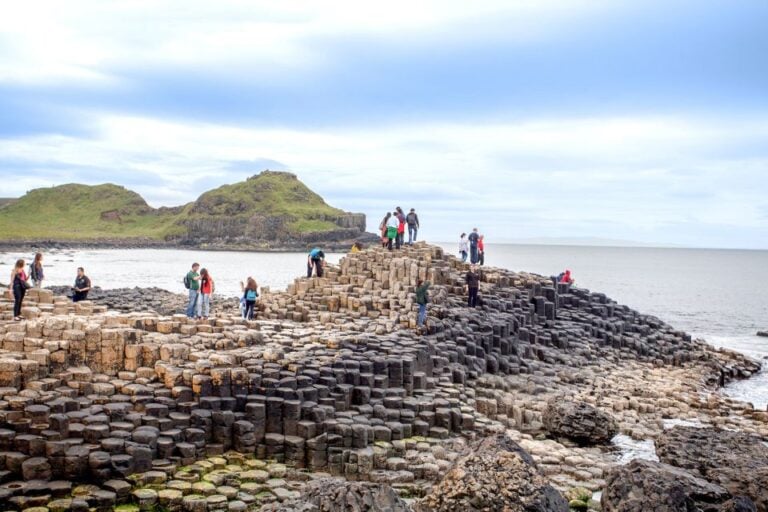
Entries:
{"x":565,"y":277}
{"x":473,"y":286}
{"x":250,"y":294}
{"x":82,"y":286}
{"x":315,"y":262}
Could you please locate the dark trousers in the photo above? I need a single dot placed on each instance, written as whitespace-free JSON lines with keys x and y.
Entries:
{"x":472,"y":297}
{"x":318,"y":265}
{"x":389,"y":243}
{"x":18,"y":297}
{"x":481,"y":258}
{"x":399,"y":240}
{"x":249,"y":307}
{"x":473,"y":253}
{"x":78,"y":296}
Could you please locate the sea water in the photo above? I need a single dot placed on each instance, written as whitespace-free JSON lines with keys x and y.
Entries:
{"x":717,"y":295}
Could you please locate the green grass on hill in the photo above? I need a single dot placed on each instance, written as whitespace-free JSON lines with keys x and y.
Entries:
{"x":80,"y":212}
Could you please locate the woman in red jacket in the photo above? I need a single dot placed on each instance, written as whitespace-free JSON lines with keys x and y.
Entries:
{"x":206,"y":290}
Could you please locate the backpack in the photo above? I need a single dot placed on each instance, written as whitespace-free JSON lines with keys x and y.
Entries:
{"x":187,"y":282}
{"x":251,"y":295}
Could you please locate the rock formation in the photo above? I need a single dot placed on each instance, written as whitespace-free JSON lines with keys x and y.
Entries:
{"x":579,"y":421}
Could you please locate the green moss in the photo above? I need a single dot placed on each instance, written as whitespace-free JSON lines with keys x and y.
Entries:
{"x":126,"y":508}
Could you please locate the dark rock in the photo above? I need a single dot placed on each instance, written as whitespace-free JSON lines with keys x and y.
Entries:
{"x":579,"y":422}
{"x":735,"y":460}
{"x":644,"y":485}
{"x":335,"y":494}
{"x":497,"y":475}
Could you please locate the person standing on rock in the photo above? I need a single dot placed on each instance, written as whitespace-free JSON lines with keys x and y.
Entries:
{"x":400,"y":227}
{"x":392,"y":225}
{"x":207,"y":287}
{"x":19,"y":285}
{"x":413,"y":226}
{"x":315,"y":262}
{"x":82,"y":286}
{"x":474,"y":237}
{"x":473,"y":286}
{"x":422,"y":299}
{"x":192,"y":283}
{"x":383,"y":229}
{"x":36,"y":271}
{"x":463,"y":247}
{"x":481,"y":250}
{"x":250,"y":294}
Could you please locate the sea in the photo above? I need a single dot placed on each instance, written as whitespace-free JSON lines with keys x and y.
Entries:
{"x":717,"y":295}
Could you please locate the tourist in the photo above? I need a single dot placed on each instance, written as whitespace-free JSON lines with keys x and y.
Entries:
{"x":413,"y":226}
{"x":473,"y":286}
{"x":481,"y":250}
{"x":463,"y":247}
{"x":315,"y":262}
{"x":422,"y":299}
{"x":207,"y":287}
{"x":82,"y":286}
{"x":192,"y":283}
{"x":474,"y":237}
{"x":36,"y":271}
{"x":356,"y":247}
{"x":400,"y":227}
{"x":250,"y":294}
{"x":392,"y":224}
{"x":383,"y":229}
{"x":19,"y":284}
{"x":565,"y":277}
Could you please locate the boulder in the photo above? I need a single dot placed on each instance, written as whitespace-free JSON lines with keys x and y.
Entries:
{"x":498,"y":475}
{"x":579,"y":422}
{"x":736,"y":461}
{"x":644,"y":485}
{"x":337,"y":494}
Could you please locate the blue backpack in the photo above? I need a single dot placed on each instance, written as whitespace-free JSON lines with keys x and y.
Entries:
{"x":251,"y":295}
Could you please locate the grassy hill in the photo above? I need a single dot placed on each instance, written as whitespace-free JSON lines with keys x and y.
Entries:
{"x":83,"y":212}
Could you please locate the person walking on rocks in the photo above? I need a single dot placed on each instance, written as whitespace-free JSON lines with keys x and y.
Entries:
{"x":481,"y":250}
{"x":207,"y":287}
{"x":315,"y":262}
{"x":422,"y":299}
{"x":36,"y":271}
{"x":250,"y":294}
{"x":463,"y":247}
{"x":82,"y":286}
{"x":400,"y":227}
{"x":192,"y":283}
{"x":413,"y":226}
{"x":474,"y":237}
{"x":383,"y":229}
{"x":392,"y":225}
{"x":473,"y":286}
{"x":19,"y":284}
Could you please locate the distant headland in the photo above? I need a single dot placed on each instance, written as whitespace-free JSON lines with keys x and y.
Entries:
{"x":270,"y":211}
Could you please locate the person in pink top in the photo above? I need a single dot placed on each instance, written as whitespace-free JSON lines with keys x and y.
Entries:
{"x":19,"y":285}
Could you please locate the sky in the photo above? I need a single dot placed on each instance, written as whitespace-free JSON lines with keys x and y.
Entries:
{"x":640,"y":120}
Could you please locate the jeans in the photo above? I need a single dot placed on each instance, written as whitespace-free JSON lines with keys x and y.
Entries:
{"x":481,"y":257}
{"x":78,"y":296}
{"x":412,"y":232}
{"x":473,"y":253}
{"x":422,"y":315}
{"x":204,"y":305}
{"x":464,"y":256}
{"x":472,"y":297}
{"x":248,"y":311}
{"x":192,"y":305}
{"x":18,"y":296}
{"x":399,"y":240}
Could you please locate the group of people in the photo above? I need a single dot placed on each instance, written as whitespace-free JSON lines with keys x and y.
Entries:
{"x":20,"y":282}
{"x":392,"y":228}
{"x":472,"y":246}
{"x":201,"y":287}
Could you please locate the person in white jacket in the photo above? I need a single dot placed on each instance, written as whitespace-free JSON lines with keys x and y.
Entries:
{"x":392,"y":224}
{"x":463,"y":247}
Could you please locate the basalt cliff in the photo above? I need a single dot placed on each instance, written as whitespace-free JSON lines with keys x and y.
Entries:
{"x":270,"y":211}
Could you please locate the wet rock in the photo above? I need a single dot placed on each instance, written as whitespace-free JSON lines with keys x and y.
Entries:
{"x":498,"y":475}
{"x":579,"y":421}
{"x":735,"y":460}
{"x":643,"y":485}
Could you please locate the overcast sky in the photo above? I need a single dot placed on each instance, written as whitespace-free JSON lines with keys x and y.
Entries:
{"x":643,"y":121}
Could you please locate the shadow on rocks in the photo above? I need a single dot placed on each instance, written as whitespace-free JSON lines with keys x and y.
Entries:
{"x":328,"y":494}
{"x":497,"y":476}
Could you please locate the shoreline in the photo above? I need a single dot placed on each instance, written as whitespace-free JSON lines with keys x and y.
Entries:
{"x":334,"y":379}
